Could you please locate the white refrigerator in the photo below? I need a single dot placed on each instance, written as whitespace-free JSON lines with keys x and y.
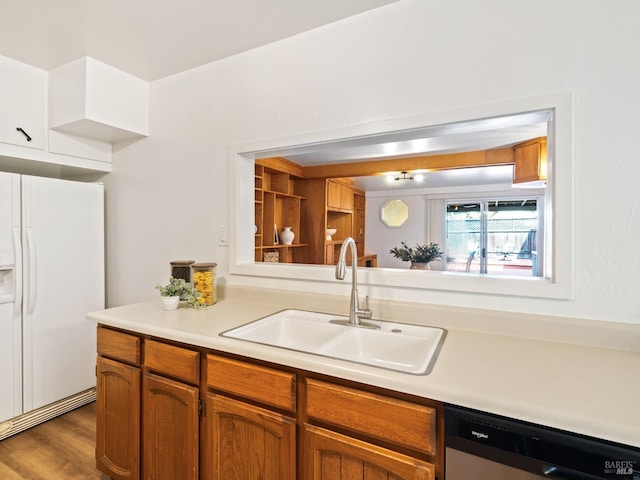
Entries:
{"x":51,"y":275}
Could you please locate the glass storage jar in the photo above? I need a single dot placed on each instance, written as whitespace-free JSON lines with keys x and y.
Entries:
{"x":204,"y":280}
{"x":182,"y":269}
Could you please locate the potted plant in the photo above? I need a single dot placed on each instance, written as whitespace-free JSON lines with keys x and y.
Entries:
{"x":420,"y":256}
{"x":178,"y":289}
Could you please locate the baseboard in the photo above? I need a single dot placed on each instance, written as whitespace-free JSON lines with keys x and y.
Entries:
{"x":41,"y":415}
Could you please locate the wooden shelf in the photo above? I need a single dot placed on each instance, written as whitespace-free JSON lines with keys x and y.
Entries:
{"x":282,"y":194}
{"x":279,"y":245}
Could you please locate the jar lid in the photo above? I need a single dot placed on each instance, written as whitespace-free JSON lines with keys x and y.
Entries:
{"x":204,"y":265}
{"x":182,"y":262}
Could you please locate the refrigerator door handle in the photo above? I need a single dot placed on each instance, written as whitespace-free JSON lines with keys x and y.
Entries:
{"x":31,"y":255}
{"x":17,"y":279}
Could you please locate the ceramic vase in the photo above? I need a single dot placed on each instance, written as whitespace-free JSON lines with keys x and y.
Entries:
{"x":170,"y":303}
{"x":287,"y":236}
{"x":419,"y":266}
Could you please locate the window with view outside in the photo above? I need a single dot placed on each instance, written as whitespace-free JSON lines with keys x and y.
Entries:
{"x":494,"y":236}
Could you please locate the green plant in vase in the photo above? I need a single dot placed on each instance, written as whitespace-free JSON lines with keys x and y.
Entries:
{"x":178,"y":289}
{"x":419,"y":256}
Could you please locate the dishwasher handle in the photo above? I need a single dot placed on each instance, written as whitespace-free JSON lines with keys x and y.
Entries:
{"x":559,"y":473}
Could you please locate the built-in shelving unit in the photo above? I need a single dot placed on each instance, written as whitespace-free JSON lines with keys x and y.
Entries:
{"x":330,"y":204}
{"x":285,"y":198}
{"x":278,"y":203}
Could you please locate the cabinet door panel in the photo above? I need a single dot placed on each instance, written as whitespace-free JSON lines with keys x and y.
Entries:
{"x":346,"y":197}
{"x":118,"y":420}
{"x":333,"y":195}
{"x":169,"y":429}
{"x":530,"y":161}
{"x":332,"y":456}
{"x":23,"y":96}
{"x":245,"y":442}
{"x":339,"y":196}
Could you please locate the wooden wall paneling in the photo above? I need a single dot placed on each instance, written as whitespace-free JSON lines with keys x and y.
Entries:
{"x":280,"y":182}
{"x":314,"y":220}
{"x":290,"y":216}
{"x":268,"y":219}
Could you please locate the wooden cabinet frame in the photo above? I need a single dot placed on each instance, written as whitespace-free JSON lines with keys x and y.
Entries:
{"x":291,"y":417}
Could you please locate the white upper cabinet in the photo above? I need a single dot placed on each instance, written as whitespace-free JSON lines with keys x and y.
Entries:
{"x":23,"y":100}
{"x":69,"y":117}
{"x":94,"y":100}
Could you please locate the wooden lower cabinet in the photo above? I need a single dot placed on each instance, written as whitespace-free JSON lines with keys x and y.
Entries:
{"x":170,"y":425}
{"x":245,"y":442}
{"x":259,"y":421}
{"x":333,"y":456}
{"x":118,"y":419}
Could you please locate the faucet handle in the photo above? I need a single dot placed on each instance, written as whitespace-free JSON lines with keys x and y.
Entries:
{"x":366,"y":313}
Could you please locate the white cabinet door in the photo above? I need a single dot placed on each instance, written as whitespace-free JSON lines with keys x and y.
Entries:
{"x":63,"y":245}
{"x":23,"y":98}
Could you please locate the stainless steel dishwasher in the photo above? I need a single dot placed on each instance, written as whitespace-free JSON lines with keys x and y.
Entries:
{"x":481,"y":446}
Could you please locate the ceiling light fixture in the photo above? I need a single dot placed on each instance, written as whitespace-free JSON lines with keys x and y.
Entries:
{"x":403,"y":177}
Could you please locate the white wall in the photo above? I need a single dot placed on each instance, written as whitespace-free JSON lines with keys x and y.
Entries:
{"x":169,"y":192}
{"x":380,"y":239}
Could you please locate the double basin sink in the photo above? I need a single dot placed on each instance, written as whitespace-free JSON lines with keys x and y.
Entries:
{"x":401,"y":347}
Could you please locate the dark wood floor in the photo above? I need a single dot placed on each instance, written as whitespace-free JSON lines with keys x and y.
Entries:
{"x":61,"y":449}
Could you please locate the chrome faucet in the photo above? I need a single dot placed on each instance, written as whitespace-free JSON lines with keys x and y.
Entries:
{"x":355,"y":312}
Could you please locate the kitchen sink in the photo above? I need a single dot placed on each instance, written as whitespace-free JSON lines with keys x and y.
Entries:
{"x":395,"y":346}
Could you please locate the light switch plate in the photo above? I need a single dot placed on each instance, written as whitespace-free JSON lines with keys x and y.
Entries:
{"x":223,"y":235}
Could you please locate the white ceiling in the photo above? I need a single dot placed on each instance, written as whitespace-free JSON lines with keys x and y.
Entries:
{"x":152,"y":39}
{"x":480,"y":134}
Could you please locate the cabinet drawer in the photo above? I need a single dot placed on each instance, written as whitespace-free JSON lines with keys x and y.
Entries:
{"x":173,"y":361}
{"x":386,"y":418}
{"x":118,"y":345}
{"x":262,"y":384}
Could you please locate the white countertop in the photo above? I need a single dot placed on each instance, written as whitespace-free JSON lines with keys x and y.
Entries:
{"x":587,"y":389}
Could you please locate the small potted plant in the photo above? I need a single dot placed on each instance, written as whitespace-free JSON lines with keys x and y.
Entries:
{"x":420,"y":256}
{"x":178,"y":289}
